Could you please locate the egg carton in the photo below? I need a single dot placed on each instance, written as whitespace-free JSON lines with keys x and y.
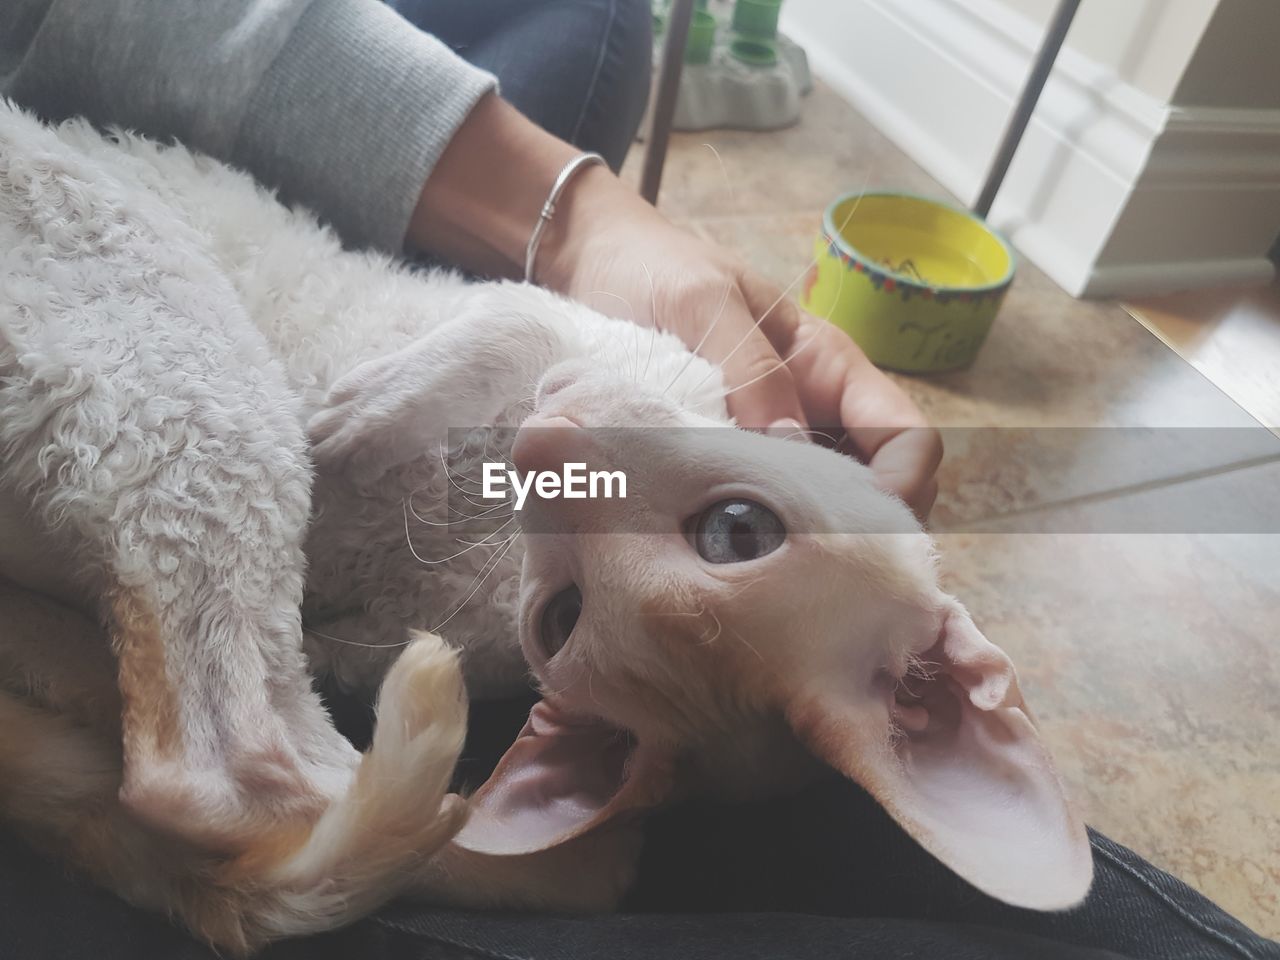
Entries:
{"x":726,"y":92}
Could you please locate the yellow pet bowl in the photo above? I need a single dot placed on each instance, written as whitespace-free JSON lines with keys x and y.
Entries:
{"x":915,"y":282}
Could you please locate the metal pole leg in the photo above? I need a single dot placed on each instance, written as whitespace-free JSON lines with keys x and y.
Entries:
{"x":664,"y":99}
{"x":1058,"y":27}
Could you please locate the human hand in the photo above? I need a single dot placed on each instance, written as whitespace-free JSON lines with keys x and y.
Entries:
{"x":784,"y":368}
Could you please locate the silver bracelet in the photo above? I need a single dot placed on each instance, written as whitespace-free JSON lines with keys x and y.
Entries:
{"x":549,"y":208}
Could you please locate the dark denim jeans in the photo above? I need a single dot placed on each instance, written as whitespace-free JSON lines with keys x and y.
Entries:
{"x":822,"y":875}
{"x":579,"y":68}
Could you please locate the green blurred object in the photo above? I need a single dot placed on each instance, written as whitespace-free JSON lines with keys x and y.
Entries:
{"x":757,"y":18}
{"x":702,"y":36}
{"x":753,"y":52}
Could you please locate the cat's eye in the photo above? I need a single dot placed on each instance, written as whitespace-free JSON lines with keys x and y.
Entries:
{"x":559,"y":617}
{"x":734,"y":531}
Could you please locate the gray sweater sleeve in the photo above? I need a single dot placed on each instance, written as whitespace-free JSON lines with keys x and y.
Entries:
{"x":341,"y":105}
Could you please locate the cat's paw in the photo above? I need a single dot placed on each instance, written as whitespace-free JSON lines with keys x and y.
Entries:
{"x":422,"y":709}
{"x":383,"y":413}
{"x":421,"y":726}
{"x":394,"y":409}
{"x":396,"y":813}
{"x":398,"y":807}
{"x":399,"y":804}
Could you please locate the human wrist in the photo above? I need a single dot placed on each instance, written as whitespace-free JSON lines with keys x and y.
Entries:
{"x":570,"y":170}
{"x":483,"y":198}
{"x":595,"y":207}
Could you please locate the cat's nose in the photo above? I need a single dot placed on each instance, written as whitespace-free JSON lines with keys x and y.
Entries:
{"x":548,"y":443}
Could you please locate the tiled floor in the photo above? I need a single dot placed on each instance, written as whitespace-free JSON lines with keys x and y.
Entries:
{"x":1151,"y":658}
{"x":1231,"y":336}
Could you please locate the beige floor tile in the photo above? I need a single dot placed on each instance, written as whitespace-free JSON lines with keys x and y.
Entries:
{"x":1231,"y":336}
{"x":1150,"y":663}
{"x":1241,"y":500}
{"x":832,"y":149}
{"x":1110,"y":479}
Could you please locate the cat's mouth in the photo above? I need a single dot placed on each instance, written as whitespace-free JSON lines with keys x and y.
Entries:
{"x":608,"y":746}
{"x":565,"y":775}
{"x":570,"y":770}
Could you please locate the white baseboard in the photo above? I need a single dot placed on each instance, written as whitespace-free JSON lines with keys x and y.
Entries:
{"x":1112,"y":193}
{"x":1138,"y":279}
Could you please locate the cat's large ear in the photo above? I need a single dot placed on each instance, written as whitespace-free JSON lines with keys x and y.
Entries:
{"x":561,"y":778}
{"x":959,"y":765}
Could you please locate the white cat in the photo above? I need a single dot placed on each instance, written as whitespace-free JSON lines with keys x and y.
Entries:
{"x":169,"y":334}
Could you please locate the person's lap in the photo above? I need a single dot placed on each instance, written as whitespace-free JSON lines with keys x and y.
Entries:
{"x":832,"y":851}
{"x":820,"y":875}
{"x":823,"y":873}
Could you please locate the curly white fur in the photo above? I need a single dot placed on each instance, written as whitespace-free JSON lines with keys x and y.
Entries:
{"x":167,"y":330}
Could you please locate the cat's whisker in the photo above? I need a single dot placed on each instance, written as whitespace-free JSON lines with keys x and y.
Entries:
{"x":417,"y":516}
{"x":354,"y":643}
{"x":746,"y":337}
{"x":449,"y":474}
{"x":724,"y":300}
{"x":782,"y":296}
{"x":591,"y":693}
{"x":455,"y":475}
{"x":488,"y":440}
{"x":728,"y":184}
{"x":484,"y":504}
{"x":462,"y":518}
{"x":492,"y":564}
{"x":490,"y":514}
{"x":746,"y":643}
{"x":698,"y":614}
{"x":635,"y":352}
{"x":653,"y":318}
{"x":791,"y":356}
{"x":706,"y":642}
{"x":551,"y":691}
{"x":706,"y":334}
{"x":635,"y":336}
{"x":606,"y":293}
{"x":468,"y":482}
{"x":808,"y":435}
{"x":483,"y":542}
{"x":772,"y":370}
{"x":745,"y":587}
